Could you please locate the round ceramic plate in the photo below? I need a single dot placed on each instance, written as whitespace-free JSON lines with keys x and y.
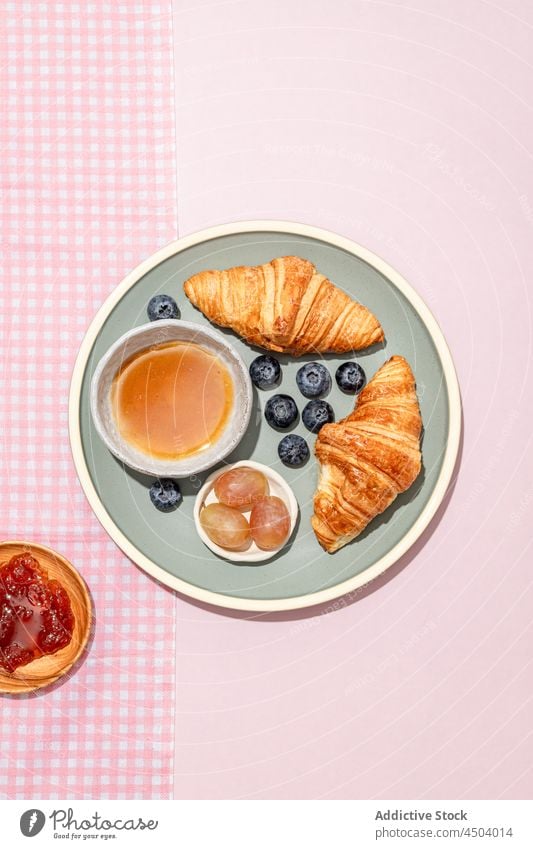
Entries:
{"x":167,"y":545}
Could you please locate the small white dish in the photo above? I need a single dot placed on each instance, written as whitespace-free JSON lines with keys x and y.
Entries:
{"x":157,"y":333}
{"x":277,"y":485}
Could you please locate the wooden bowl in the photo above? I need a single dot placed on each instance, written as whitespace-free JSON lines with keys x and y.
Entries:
{"x":47,"y":669}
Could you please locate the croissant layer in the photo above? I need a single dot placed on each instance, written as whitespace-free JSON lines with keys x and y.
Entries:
{"x":369,"y":457}
{"x":285,"y":305}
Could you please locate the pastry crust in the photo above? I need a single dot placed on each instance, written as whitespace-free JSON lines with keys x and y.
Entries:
{"x":285,"y":305}
{"x":369,"y":457}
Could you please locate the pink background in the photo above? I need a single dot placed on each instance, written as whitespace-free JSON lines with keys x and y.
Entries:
{"x":406,"y":126}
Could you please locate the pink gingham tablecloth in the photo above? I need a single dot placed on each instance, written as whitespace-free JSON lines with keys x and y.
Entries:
{"x":88,"y":190}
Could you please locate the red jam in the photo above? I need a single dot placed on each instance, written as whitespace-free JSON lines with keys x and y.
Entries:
{"x":35,"y":613}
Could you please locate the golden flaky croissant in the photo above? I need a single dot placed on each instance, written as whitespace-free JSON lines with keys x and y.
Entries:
{"x":284,"y":305}
{"x":368,"y":457}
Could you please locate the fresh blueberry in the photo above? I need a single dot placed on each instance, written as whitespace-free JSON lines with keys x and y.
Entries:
{"x":293,"y":450}
{"x":350,"y":377}
{"x":281,"y":411}
{"x":265,"y":371}
{"x":317,"y":413}
{"x":313,"y":379}
{"x":165,"y":494}
{"x":162,"y":306}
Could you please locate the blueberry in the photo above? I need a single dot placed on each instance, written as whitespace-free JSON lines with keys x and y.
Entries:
{"x":313,"y":380}
{"x":350,"y":377}
{"x":265,"y":371}
{"x":281,"y":411}
{"x":165,"y":494}
{"x":162,"y":306}
{"x":293,"y":450}
{"x":317,"y":413}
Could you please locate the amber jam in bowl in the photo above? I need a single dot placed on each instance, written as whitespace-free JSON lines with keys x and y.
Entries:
{"x":45,"y":616}
{"x":171,"y":398}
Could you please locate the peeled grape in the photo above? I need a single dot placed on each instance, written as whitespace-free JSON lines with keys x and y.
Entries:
{"x":241,"y":487}
{"x":270,"y":523}
{"x":226,"y":527}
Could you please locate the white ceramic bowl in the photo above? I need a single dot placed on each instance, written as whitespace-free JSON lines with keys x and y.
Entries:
{"x":157,"y":333}
{"x":277,"y":485}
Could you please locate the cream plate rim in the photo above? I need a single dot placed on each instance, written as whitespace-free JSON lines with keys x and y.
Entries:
{"x":377,"y":568}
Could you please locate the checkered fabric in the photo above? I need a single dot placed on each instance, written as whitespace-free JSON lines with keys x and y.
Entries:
{"x":87,"y":178}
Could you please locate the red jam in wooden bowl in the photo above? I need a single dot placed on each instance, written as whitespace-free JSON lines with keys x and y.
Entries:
{"x":35,"y":613}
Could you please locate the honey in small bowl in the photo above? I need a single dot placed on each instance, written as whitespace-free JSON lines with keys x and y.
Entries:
{"x":172,"y":400}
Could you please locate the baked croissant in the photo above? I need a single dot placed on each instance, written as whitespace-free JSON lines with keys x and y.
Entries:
{"x":284,"y":305}
{"x":369,"y":457}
